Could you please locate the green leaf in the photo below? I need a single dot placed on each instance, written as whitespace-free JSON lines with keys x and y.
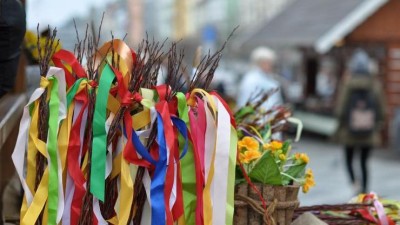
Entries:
{"x":295,"y":171}
{"x":266,"y":170}
{"x":286,"y":146}
{"x":239,"y":173}
{"x":266,"y":132}
{"x":239,"y":181}
{"x":247,"y":110}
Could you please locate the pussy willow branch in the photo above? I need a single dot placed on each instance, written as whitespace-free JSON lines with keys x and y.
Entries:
{"x":45,"y":53}
{"x":86,"y":216}
{"x":80,"y":45}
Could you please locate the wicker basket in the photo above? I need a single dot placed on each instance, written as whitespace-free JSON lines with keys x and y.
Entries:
{"x":281,"y":201}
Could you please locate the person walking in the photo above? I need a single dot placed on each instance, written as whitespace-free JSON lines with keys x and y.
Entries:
{"x":361,"y":112}
{"x":260,"y":78}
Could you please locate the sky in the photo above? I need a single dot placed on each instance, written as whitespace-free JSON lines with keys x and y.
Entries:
{"x":57,"y":12}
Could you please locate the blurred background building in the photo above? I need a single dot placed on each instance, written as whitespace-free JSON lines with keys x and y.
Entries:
{"x":313,"y":39}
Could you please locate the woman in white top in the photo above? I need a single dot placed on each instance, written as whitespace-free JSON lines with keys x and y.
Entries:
{"x":260,"y":79}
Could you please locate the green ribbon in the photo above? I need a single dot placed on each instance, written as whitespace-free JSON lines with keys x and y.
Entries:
{"x":188,"y":170}
{"x":72,"y":91}
{"x":99,"y":144}
{"x":148,"y":97}
{"x":231,"y":178}
{"x":54,"y":106}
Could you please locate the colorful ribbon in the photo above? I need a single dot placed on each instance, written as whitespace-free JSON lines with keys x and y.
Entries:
{"x":98,"y":167}
{"x":189,"y":168}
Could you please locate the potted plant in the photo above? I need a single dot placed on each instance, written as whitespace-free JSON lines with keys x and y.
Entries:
{"x":268,"y":173}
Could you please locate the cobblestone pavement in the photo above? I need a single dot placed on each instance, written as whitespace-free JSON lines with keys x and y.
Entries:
{"x":333,"y":186}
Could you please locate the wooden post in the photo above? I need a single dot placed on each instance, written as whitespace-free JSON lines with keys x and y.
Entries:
{"x":392,"y":82}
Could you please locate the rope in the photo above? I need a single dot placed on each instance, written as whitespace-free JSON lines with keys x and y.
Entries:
{"x":266,"y":213}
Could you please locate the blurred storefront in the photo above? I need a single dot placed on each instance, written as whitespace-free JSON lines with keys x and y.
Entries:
{"x":324,"y":33}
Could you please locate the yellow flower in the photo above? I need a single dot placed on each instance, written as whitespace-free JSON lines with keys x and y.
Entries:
{"x":266,"y":146}
{"x":241,"y":157}
{"x":30,"y":37}
{"x":304,"y":158}
{"x":305,"y":188}
{"x":249,"y":143}
{"x":307,"y":185}
{"x":309,"y":173}
{"x":276,"y":145}
{"x":249,"y":156}
{"x":282,"y":157}
{"x":309,"y":181}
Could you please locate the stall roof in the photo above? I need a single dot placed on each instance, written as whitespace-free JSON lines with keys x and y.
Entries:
{"x":315,"y":23}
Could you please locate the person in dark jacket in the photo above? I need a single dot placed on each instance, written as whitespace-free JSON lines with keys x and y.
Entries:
{"x":12,"y":31}
{"x":361,"y":110}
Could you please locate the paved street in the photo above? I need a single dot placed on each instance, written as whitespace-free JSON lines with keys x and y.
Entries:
{"x":327,"y":162}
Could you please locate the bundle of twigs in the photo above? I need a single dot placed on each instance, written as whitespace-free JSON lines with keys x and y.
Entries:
{"x":45,"y":54}
{"x":173,"y":82}
{"x":321,"y":212}
{"x":92,"y":73}
{"x":253,"y":115}
{"x":144,"y":74}
{"x":111,"y":187}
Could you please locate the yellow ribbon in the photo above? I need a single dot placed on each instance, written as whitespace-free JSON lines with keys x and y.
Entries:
{"x":65,"y":130}
{"x":210,"y":99}
{"x":126,"y":193}
{"x":38,"y":202}
{"x":127,"y":171}
{"x":31,"y":162}
{"x":44,"y":82}
{"x":121,"y":50}
{"x":30,"y":214}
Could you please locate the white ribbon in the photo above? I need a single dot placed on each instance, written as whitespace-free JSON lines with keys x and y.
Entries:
{"x":109,"y":157}
{"x":221,"y":164}
{"x":18,"y":155}
{"x":146,"y":215}
{"x":299,"y":127}
{"x":97,"y":212}
{"x":70,"y":187}
{"x":210,"y":139}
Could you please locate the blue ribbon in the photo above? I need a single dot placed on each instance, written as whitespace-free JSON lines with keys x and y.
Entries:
{"x":158,"y":179}
{"x":140,"y":148}
{"x":181,"y":125}
{"x":157,"y":184}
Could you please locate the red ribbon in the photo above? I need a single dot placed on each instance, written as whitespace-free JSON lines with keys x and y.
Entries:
{"x":93,"y":84}
{"x":166,"y":110}
{"x":247,"y":178}
{"x":177,"y":210}
{"x":162,"y":108}
{"x":129,"y":97}
{"x":66,"y":57}
{"x":197,"y":138}
{"x":73,"y":156}
{"x":366,"y":213}
{"x":129,"y":151}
